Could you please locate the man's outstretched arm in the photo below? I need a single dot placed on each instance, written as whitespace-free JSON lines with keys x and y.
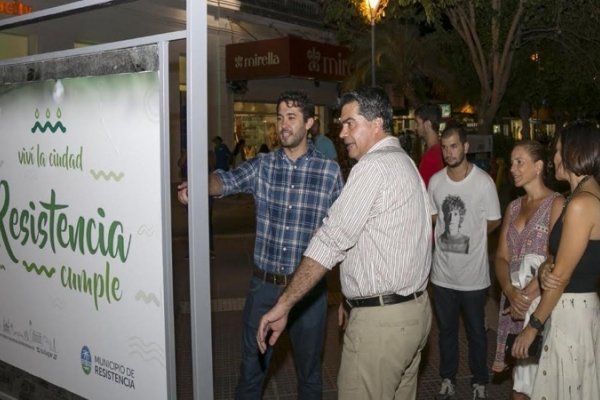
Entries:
{"x":307,"y":275}
{"x":215,"y":188}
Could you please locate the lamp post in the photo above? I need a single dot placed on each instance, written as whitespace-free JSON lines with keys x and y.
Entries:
{"x":374,"y":11}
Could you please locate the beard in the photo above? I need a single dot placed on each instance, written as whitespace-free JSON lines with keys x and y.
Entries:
{"x":455,"y":162}
{"x":293,"y":139}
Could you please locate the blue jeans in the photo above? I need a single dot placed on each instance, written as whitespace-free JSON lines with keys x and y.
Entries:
{"x":306,"y":330}
{"x":448,"y":304}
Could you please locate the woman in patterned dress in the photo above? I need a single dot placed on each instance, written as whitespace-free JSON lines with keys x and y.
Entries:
{"x":526,"y":224}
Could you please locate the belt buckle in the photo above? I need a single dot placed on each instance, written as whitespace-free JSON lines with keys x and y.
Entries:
{"x":279,"y":279}
{"x":348,"y":304}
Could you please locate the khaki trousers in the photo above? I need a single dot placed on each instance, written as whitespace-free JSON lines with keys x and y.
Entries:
{"x":382,"y":351}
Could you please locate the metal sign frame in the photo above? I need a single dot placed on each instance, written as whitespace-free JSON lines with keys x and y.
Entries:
{"x":196,"y":36}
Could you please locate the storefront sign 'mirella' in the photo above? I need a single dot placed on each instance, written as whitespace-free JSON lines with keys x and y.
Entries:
{"x":15,"y":7}
{"x":287,"y":57}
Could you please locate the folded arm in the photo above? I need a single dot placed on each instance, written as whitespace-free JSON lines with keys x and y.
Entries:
{"x":577,"y":228}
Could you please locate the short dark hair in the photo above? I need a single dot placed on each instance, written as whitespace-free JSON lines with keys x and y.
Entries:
{"x":580,"y":152}
{"x":373,"y":102}
{"x":430,"y":112}
{"x":295,"y":98}
{"x":453,"y":127}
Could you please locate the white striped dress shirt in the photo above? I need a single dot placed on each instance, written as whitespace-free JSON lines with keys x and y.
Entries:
{"x":379,"y":228}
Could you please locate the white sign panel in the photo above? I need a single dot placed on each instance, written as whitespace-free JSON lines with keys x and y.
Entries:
{"x":81,"y":246}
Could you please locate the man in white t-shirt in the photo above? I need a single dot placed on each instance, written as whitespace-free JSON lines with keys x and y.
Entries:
{"x":465,"y":209}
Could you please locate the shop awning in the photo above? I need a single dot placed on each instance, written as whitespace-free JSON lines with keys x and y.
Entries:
{"x":287,"y":57}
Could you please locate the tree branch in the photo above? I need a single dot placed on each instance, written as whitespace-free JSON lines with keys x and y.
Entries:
{"x":466,"y":30}
{"x":511,"y":37}
{"x":495,"y":33}
{"x":472,"y":25}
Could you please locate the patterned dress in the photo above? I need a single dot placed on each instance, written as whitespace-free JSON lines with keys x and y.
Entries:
{"x":533,"y":239}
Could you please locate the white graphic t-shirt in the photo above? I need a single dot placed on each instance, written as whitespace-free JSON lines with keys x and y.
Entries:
{"x":460,"y":259}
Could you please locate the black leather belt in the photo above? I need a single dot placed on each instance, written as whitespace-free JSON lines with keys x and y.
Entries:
{"x":274,"y":279}
{"x":382,"y":300}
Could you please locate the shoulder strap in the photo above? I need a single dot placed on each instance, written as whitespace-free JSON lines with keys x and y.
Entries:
{"x":515,"y":207}
{"x":548,"y":201}
{"x":546,"y":207}
{"x":585,"y":191}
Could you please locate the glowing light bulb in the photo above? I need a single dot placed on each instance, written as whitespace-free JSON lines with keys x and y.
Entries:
{"x":373,"y":4}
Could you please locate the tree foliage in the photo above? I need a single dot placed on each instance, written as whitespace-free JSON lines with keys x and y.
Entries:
{"x":413,"y":76}
{"x":498,"y":36}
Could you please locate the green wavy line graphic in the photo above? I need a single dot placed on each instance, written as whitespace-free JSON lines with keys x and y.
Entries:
{"x":107,"y":175}
{"x":39,"y":270}
{"x":48,"y":126}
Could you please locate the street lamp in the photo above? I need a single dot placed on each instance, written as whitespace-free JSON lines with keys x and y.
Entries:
{"x":374,"y":12}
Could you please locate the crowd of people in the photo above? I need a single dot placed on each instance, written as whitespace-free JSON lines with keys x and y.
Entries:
{"x":401,"y":234}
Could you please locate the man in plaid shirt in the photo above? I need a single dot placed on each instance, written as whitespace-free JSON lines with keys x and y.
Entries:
{"x":293,"y":187}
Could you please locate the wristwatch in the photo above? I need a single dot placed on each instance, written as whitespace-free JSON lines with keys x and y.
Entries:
{"x":535,"y":323}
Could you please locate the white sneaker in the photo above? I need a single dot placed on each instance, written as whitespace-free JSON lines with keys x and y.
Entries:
{"x":446,"y":391}
{"x":479,"y":391}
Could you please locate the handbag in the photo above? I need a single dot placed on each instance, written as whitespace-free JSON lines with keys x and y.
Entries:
{"x":534,"y":351}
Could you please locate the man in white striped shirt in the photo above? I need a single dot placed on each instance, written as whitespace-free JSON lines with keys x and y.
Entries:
{"x":379,"y":228}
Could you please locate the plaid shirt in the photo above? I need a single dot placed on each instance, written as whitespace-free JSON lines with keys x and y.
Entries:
{"x":291,"y":199}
